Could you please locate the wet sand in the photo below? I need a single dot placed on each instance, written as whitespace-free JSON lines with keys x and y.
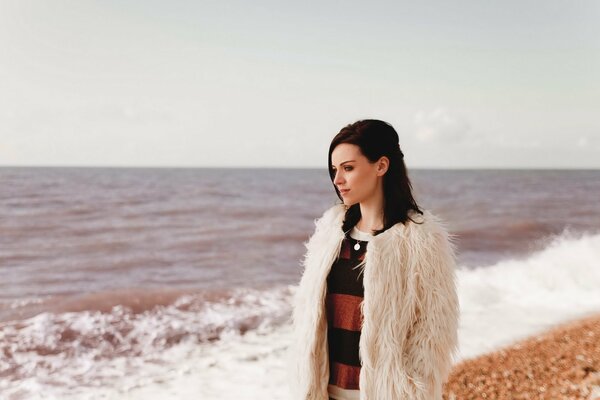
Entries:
{"x":562,"y":363}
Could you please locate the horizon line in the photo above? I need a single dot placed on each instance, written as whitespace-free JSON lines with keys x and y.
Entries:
{"x":520,"y":168}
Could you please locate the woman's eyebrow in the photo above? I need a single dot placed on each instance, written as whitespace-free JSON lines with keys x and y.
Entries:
{"x":344,"y":162}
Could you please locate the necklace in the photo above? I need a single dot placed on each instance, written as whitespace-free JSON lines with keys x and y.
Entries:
{"x":358,"y":242}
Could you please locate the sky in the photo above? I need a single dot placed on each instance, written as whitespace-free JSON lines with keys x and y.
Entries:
{"x":466,"y":84}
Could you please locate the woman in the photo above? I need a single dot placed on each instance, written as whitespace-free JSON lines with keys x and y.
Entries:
{"x":375,"y":316}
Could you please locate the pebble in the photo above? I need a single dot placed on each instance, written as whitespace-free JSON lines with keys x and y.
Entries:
{"x":560,"y":364}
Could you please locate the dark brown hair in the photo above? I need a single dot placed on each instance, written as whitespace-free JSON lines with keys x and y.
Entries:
{"x":376,"y":139}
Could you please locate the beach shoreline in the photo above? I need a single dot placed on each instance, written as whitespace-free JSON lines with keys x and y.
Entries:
{"x":560,"y":363}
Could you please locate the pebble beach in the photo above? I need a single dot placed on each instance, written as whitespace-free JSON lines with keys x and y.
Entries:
{"x":562,"y":363}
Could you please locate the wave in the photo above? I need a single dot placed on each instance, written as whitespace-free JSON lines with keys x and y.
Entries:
{"x":120,"y":343}
{"x":517,"y":297}
{"x":148,"y":331}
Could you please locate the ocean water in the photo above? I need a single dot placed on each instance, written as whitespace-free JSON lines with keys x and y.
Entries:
{"x":176,"y":283}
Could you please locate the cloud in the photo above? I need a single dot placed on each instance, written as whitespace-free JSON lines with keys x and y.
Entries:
{"x":583,"y":141}
{"x":588,"y":142}
{"x":441,"y":125}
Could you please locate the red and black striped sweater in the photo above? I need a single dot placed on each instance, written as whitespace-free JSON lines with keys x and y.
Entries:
{"x":344,"y":295}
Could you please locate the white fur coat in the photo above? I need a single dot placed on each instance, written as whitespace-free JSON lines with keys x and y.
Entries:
{"x":410,"y":311}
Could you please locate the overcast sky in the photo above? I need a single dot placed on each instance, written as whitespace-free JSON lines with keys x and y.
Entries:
{"x":466,"y":84}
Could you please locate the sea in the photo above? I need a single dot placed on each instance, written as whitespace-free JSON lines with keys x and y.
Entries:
{"x":175,"y":283}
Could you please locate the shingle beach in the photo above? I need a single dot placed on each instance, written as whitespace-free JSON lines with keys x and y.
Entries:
{"x":562,"y":363}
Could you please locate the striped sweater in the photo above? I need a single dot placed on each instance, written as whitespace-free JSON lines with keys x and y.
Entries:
{"x":344,"y":295}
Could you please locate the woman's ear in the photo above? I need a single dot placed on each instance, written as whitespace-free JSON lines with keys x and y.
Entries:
{"x":382,"y":165}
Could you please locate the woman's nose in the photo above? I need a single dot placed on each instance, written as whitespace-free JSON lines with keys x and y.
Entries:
{"x":338,"y":179}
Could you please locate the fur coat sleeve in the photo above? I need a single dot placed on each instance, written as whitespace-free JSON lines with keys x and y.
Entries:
{"x":432,"y":339}
{"x":307,"y":366}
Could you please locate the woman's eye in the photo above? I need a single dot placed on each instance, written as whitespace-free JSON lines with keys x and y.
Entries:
{"x":333,"y":170}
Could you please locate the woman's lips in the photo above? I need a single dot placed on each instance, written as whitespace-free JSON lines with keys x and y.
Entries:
{"x":344,"y":191}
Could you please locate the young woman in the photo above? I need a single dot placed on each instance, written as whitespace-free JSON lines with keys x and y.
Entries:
{"x":375,"y":316}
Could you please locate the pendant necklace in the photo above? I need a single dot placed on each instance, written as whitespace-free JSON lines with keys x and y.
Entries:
{"x":357,"y":245}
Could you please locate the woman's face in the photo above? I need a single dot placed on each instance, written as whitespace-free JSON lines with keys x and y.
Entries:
{"x":354,"y":172}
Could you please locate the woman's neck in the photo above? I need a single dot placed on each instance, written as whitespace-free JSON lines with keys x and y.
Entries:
{"x":371,"y":217}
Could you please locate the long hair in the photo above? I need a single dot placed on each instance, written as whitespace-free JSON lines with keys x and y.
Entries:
{"x":376,"y":139}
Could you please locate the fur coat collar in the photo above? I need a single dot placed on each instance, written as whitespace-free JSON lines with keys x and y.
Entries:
{"x":410,"y":311}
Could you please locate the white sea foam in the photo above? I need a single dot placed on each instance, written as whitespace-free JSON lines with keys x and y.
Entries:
{"x":499,"y":304}
{"x":516,"y":298}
